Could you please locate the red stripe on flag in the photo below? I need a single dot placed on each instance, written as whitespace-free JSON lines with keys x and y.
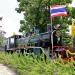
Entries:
{"x":59,"y":15}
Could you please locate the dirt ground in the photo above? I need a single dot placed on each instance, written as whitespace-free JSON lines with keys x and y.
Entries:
{"x":4,"y":70}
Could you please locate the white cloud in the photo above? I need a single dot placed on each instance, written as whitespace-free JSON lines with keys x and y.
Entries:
{"x":11,"y":18}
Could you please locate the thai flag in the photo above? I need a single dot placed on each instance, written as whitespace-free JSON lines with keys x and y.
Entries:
{"x":58,"y":10}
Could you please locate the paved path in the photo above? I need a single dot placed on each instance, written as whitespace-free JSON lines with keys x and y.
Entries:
{"x":4,"y":70}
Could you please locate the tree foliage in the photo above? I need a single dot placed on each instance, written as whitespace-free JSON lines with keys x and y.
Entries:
{"x":1,"y":39}
{"x":36,"y":14}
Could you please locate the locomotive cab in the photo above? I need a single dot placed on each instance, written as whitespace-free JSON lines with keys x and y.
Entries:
{"x":12,"y":42}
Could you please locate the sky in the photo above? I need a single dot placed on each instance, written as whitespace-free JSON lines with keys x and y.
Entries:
{"x":73,"y":3}
{"x":11,"y":19}
{"x":10,"y":22}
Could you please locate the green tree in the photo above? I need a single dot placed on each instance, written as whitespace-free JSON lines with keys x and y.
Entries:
{"x":1,"y":39}
{"x":36,"y":14}
{"x":72,"y":11}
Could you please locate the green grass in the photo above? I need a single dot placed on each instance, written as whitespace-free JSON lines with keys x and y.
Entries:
{"x":25,"y":65}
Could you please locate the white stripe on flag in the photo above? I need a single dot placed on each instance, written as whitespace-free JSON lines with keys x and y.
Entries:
{"x":58,"y":13}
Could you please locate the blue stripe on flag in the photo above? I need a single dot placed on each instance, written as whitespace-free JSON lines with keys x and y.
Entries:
{"x":58,"y":10}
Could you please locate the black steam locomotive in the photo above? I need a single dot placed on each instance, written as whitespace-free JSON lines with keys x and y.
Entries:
{"x":19,"y":42}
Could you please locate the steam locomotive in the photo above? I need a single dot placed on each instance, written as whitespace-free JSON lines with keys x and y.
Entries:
{"x":19,"y":42}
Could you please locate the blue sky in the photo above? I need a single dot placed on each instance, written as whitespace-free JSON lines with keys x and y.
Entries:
{"x":11,"y":18}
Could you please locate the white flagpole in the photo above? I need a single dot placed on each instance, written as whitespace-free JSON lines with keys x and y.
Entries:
{"x":51,"y":35}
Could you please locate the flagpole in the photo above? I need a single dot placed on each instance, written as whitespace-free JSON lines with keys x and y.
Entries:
{"x":51,"y":36}
{"x":54,"y":12}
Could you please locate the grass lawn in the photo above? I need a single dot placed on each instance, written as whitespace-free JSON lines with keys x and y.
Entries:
{"x":25,"y":65}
